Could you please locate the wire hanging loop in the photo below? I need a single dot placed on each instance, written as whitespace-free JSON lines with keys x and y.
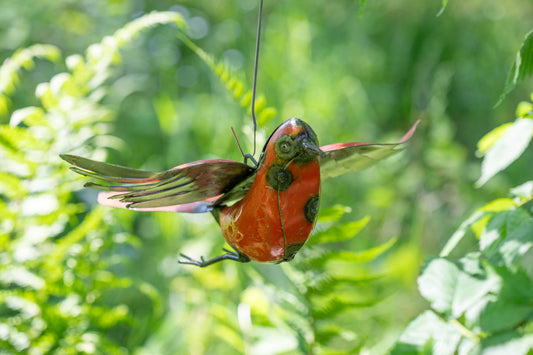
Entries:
{"x":256,"y":62}
{"x":249,"y":156}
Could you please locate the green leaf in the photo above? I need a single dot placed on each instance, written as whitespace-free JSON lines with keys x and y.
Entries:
{"x":428,"y":334}
{"x":492,"y":137}
{"x":510,"y":342}
{"x":346,"y":256}
{"x":333,"y":214}
{"x":522,"y":67}
{"x":340,"y":233}
{"x":444,"y":4}
{"x":524,"y":109}
{"x":266,"y":115}
{"x":369,"y":254}
{"x":507,"y":236}
{"x":523,"y":191}
{"x":19,"y":139}
{"x":11,"y":187}
{"x":501,"y":315}
{"x":506,"y":149}
{"x":437,"y":284}
{"x":30,"y":115}
{"x":510,"y":306}
{"x":517,"y":286}
{"x":451,"y":290}
{"x":460,"y":232}
{"x":327,"y":309}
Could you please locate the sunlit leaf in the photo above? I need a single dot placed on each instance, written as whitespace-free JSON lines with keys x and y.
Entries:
{"x":10,"y":186}
{"x":524,"y":109}
{"x":451,"y":290}
{"x":19,"y":276}
{"x":266,"y":115}
{"x":90,"y":223}
{"x":506,"y":149}
{"x":428,"y":329}
{"x":522,"y":67}
{"x":5,"y":103}
{"x":39,"y":204}
{"x":499,"y":205}
{"x":30,"y":115}
{"x":24,"y":58}
{"x":523,"y":191}
{"x":492,"y":137}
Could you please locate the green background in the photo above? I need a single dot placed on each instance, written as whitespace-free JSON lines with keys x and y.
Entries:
{"x":352,"y":73}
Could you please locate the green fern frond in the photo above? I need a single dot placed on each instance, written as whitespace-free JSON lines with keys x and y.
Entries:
{"x":22,"y":59}
{"x":101,"y":56}
{"x":321,"y":282}
{"x":339,"y":304}
{"x":327,"y":331}
{"x":90,"y":223}
{"x":316,"y":257}
{"x":129,"y":32}
{"x":339,"y":233}
{"x":333,"y":213}
{"x":330,"y":283}
{"x":232,"y":83}
{"x":15,"y":138}
{"x":313,"y":257}
{"x":301,"y":326}
{"x":295,"y":302}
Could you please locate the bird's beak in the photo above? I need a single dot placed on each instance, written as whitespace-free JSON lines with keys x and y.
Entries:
{"x":311,"y":148}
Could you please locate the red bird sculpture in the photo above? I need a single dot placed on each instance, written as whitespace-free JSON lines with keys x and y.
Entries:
{"x":266,"y":212}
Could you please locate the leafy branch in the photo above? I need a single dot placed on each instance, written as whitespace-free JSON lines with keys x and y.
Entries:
{"x":483,"y":302}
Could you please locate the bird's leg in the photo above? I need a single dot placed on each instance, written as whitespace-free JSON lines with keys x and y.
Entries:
{"x":230,"y":255}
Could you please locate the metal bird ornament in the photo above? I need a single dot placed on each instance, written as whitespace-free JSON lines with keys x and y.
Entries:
{"x":266,"y":212}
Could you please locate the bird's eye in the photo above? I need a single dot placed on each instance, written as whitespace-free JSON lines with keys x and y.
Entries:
{"x":284,"y":147}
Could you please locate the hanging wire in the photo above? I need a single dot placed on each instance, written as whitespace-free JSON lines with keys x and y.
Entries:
{"x":257,"y":43}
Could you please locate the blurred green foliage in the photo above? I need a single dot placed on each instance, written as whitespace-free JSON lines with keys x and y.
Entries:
{"x":76,"y":278}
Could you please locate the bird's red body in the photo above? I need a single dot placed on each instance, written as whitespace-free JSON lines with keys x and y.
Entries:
{"x":271,"y":223}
